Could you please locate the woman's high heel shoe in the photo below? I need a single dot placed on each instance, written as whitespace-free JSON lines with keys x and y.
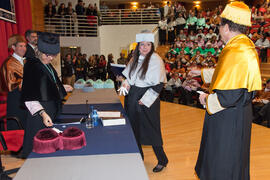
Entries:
{"x":159,"y":168}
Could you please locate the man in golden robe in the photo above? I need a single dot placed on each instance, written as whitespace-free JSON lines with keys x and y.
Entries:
{"x":225,"y":146}
{"x":11,"y":74}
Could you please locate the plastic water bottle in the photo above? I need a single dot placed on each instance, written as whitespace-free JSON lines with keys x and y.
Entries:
{"x":95,"y":117}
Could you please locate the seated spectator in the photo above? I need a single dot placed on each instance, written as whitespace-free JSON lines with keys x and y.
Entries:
{"x":267,"y":14}
{"x":213,"y":41}
{"x":188,"y":89}
{"x":174,"y":50}
{"x":178,"y":42}
{"x":200,"y":33}
{"x":262,"y":22}
{"x":197,"y":58}
{"x":178,"y":67}
{"x":261,"y":105}
{"x":189,"y":43}
{"x":185,"y":48}
{"x":200,"y":41}
{"x":182,"y":35}
{"x":184,"y":58}
{"x":262,"y":9}
{"x":200,"y":21}
{"x":209,"y":48}
{"x":191,"y":35}
{"x":263,"y":44}
{"x":248,"y":33}
{"x":258,"y":16}
{"x":259,"y":34}
{"x":196,"y":48}
{"x":209,"y":60}
{"x":172,"y":85}
{"x":169,"y":58}
{"x":210,"y":34}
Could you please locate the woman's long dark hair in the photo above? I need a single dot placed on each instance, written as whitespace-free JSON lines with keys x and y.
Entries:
{"x":145,"y":64}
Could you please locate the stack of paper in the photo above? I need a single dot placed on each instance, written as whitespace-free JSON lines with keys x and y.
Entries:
{"x":111,"y":118}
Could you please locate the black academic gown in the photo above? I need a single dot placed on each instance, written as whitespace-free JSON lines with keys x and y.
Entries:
{"x":225,"y":145}
{"x":145,"y":121}
{"x":30,"y":52}
{"x":39,"y":85}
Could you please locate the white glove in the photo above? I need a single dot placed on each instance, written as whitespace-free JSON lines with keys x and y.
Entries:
{"x":122,"y":91}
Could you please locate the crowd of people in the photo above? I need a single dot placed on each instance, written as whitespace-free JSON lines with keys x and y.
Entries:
{"x":94,"y":67}
{"x":81,"y":21}
{"x":56,"y":9}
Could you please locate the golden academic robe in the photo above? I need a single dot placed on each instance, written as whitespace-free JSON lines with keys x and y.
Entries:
{"x":225,"y":145}
{"x":11,"y":75}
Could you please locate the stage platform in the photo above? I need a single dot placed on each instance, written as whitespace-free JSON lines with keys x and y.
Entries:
{"x":182,"y":129}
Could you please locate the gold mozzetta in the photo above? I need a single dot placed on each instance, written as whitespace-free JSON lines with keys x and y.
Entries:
{"x":238,"y":66}
{"x":237,"y":12}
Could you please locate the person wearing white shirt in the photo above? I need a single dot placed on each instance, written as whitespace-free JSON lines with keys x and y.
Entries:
{"x":263,"y":44}
{"x":145,"y":77}
{"x":210,"y":34}
{"x":200,"y":33}
{"x":180,"y":23}
{"x":166,"y":9}
{"x":31,"y":48}
{"x":162,"y":24}
{"x":11,"y":75}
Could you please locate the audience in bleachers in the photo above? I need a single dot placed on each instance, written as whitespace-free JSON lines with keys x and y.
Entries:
{"x":194,"y":42}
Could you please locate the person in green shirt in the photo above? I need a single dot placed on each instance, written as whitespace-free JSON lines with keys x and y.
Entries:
{"x":191,"y":22}
{"x":209,"y":48}
{"x":200,"y":22}
{"x":195,"y":49}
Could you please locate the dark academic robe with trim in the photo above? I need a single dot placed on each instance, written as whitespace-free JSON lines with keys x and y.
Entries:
{"x":39,"y":85}
{"x":30,"y":52}
{"x":225,"y":146}
{"x":145,"y":121}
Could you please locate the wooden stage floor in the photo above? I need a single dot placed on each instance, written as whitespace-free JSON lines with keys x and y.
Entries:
{"x":182,"y":129}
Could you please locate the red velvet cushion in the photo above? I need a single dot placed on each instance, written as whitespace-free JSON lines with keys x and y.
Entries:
{"x":73,"y":138}
{"x":47,"y":141}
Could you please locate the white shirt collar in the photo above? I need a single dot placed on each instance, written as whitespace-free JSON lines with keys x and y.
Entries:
{"x":141,"y":58}
{"x":32,"y":46}
{"x":19,"y":58}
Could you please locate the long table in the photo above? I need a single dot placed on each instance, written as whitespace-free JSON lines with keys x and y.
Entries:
{"x":111,"y":152}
